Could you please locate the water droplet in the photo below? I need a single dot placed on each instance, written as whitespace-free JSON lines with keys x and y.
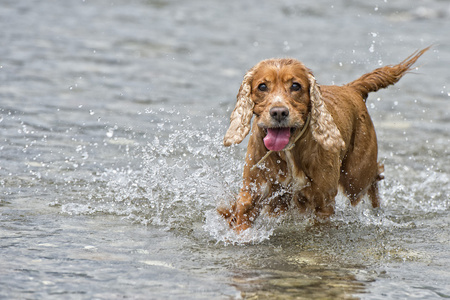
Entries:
{"x":110,"y":133}
{"x":286,"y":46}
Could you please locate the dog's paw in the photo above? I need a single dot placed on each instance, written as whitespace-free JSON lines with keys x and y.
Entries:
{"x":235,"y":221}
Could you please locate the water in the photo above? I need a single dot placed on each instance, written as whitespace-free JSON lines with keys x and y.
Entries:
{"x":112,"y":115}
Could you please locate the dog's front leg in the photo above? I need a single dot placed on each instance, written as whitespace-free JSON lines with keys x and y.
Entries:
{"x":257,"y":185}
{"x":248,"y":204}
{"x":242,"y":212}
{"x":318,"y":195}
{"x":245,"y":211}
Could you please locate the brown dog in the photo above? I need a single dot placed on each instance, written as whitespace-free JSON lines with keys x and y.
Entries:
{"x":306,"y":140}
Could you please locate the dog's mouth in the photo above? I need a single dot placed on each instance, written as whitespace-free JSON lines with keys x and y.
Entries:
{"x":277,"y":138}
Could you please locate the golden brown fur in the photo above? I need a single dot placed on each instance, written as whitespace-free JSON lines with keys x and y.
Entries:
{"x":338,"y":148}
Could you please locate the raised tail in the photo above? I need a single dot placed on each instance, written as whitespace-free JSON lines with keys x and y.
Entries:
{"x":384,"y":76}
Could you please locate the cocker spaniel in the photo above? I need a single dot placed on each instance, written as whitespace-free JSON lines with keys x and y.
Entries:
{"x":306,"y":141}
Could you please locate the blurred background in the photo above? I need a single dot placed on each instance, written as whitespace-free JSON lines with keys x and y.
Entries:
{"x":112,"y":115}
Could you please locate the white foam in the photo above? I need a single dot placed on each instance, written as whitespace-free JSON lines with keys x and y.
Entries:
{"x":184,"y":173}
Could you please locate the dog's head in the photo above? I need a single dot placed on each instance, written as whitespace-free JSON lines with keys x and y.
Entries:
{"x":281,"y":93}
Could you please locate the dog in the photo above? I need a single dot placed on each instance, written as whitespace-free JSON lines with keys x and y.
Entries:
{"x":306,"y":140}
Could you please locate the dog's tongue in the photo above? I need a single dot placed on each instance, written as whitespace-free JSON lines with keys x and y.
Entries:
{"x":277,"y":138}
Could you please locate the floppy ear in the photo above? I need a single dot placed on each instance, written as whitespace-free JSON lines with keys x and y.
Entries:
{"x":324,"y":130}
{"x":242,"y":113}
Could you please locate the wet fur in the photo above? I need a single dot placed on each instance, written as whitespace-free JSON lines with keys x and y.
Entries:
{"x":339,"y":148}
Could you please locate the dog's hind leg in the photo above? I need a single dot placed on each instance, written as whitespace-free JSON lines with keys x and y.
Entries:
{"x":373,"y":190}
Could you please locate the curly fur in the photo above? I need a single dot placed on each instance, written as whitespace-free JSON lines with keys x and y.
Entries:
{"x":339,"y":148}
{"x":324,"y":129}
{"x":242,"y":114}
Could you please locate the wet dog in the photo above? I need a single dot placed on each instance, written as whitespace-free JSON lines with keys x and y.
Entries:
{"x":306,"y":140}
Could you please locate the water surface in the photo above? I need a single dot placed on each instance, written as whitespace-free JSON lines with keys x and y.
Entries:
{"x":111,"y":164}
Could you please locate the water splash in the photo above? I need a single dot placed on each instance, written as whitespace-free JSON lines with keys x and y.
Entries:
{"x":184,"y":172}
{"x":180,"y":175}
{"x":424,"y":192}
{"x":218,"y":228}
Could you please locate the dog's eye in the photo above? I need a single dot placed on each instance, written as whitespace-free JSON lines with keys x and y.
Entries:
{"x":295,"y":86}
{"x":262,"y":87}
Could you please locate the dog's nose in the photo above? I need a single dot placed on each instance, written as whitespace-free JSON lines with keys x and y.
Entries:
{"x":279,"y":113}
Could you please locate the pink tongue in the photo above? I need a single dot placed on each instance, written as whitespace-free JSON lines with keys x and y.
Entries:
{"x":277,"y":138}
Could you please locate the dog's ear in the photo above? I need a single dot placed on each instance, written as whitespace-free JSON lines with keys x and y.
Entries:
{"x":242,"y":114}
{"x":324,"y":130}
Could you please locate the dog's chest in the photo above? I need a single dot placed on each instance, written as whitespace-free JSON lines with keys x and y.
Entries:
{"x":295,"y":178}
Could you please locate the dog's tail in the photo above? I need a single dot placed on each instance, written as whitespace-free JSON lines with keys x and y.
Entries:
{"x":385,"y":76}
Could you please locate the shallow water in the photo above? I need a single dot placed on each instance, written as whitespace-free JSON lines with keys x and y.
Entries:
{"x":112,"y":116}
